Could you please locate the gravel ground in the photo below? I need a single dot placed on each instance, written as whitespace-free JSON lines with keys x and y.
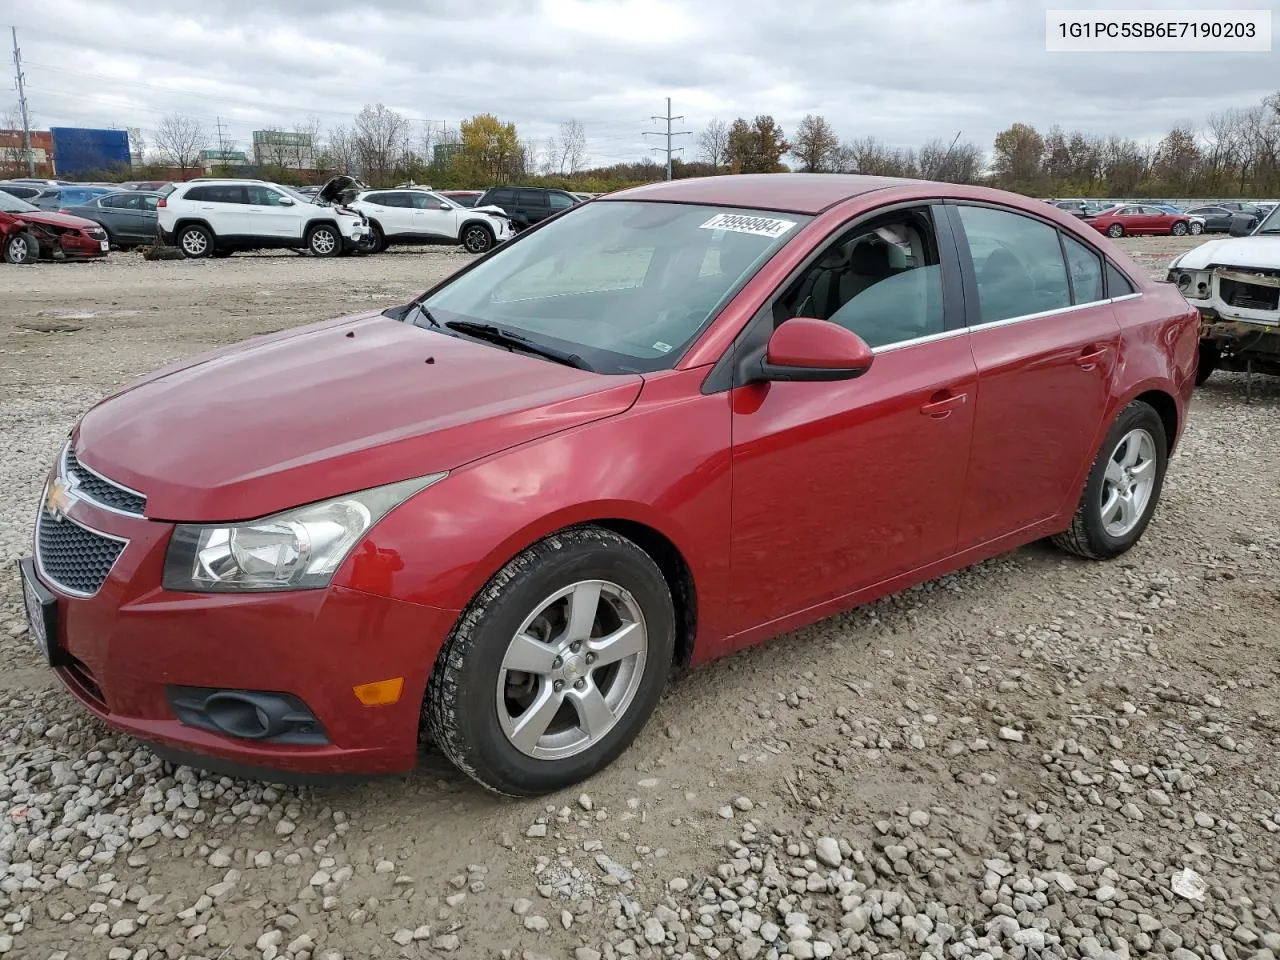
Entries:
{"x":1037,"y":756}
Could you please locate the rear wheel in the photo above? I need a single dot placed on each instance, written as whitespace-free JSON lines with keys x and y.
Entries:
{"x":1123,"y":488}
{"x":21,"y":248}
{"x":195,"y":241}
{"x":323,"y":240}
{"x":1115,"y":230}
{"x":375,"y":241}
{"x":555,"y":666}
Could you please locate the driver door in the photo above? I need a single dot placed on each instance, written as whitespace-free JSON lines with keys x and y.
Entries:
{"x":434,"y":217}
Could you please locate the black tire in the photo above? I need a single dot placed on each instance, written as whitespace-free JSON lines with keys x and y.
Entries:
{"x":21,"y":248}
{"x":377,"y":241}
{"x":195,"y":241}
{"x":1196,"y":228}
{"x":1207,"y":363}
{"x":1179,"y":229}
{"x":324,"y":240}
{"x":1087,"y":536}
{"x":1115,"y":231}
{"x":460,"y":708}
{"x":476,"y":238}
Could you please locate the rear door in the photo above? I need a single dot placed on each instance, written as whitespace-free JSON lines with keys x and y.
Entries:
{"x":1046,"y":343}
{"x":397,"y":217}
{"x":532,"y":205}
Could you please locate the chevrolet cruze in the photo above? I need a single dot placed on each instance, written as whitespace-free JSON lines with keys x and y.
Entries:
{"x":659,"y":427}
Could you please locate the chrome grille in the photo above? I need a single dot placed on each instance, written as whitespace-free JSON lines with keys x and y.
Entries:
{"x":73,"y":557}
{"x":98,"y":489}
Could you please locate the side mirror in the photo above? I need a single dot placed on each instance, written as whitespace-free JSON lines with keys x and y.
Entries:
{"x":1242,"y":224}
{"x":286,"y":201}
{"x":444,"y":206}
{"x":807,"y":349}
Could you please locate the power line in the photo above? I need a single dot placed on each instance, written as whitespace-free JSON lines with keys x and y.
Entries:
{"x":668,"y":150}
{"x":22,"y":105}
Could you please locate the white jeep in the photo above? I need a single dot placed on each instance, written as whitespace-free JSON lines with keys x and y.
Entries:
{"x":217,"y":217}
{"x":1235,"y":284}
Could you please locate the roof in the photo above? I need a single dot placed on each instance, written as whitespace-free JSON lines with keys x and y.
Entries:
{"x":792,"y":192}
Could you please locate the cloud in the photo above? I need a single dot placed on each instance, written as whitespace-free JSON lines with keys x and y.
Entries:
{"x":904,"y":72}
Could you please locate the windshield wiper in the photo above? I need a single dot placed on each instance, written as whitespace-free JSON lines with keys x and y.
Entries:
{"x":421,"y":308}
{"x":505,"y":338}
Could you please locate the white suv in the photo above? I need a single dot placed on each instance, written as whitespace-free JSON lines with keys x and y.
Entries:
{"x":218,"y":217}
{"x":409,"y":215}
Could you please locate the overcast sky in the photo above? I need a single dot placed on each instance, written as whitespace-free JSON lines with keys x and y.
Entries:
{"x":900,"y":70}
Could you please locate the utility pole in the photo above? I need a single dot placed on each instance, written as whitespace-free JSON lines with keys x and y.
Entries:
{"x":668,"y":149}
{"x":222,"y":146}
{"x":22,"y":105}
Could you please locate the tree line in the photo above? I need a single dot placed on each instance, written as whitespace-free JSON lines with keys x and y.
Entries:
{"x":1235,"y":152}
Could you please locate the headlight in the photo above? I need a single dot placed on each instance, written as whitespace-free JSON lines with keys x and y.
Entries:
{"x":298,"y":549}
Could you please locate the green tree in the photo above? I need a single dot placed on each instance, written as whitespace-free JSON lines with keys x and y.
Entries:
{"x":1018,"y":154}
{"x":816,"y":144}
{"x":756,"y":147}
{"x":490,"y":148}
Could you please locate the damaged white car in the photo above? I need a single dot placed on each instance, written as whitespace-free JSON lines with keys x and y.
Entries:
{"x":1235,"y":284}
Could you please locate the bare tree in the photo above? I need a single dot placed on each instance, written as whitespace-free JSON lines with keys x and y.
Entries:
{"x":815,"y":144}
{"x":571,"y":147}
{"x":382,"y":137}
{"x":713,"y":143}
{"x":340,"y":153}
{"x":179,"y":140}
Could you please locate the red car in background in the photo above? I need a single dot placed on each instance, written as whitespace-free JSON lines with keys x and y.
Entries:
{"x":28,"y":233}
{"x":1132,"y":219}
{"x":649,"y":431}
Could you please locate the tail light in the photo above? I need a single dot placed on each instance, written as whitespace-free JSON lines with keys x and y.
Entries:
{"x":161,"y":203}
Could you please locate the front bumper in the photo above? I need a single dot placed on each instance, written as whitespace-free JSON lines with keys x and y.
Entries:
{"x":130,"y":650}
{"x":77,"y":246}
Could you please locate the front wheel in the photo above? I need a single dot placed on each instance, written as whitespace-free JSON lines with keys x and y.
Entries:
{"x":556,"y":665}
{"x":1196,"y":229}
{"x":1179,"y":229}
{"x":1115,"y":231}
{"x":323,"y":240}
{"x":476,"y":238}
{"x":1207,"y":362}
{"x":21,"y":248}
{"x":1123,"y":488}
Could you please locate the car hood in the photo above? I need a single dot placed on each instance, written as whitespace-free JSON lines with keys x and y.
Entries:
{"x":318,"y":411}
{"x":491,"y":209}
{"x":333,"y":189}
{"x":1258,"y":251}
{"x":52,"y":219}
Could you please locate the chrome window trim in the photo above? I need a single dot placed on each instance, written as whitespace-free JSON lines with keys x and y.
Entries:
{"x":1010,"y":321}
{"x":83,"y":495}
{"x":35,"y":537}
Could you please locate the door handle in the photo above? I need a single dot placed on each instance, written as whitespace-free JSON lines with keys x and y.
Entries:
{"x":942,"y":403}
{"x":1091,"y":358}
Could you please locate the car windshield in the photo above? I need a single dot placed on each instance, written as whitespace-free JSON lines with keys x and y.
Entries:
{"x":291,"y":192}
{"x":1272,"y":223}
{"x":626,"y":285}
{"x":11,"y":204}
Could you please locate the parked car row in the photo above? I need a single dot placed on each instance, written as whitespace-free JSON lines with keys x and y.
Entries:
{"x":1211,"y":217}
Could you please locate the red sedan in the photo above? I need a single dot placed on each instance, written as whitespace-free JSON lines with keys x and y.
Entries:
{"x":1134,"y":219}
{"x":28,"y":233}
{"x":653,"y":430}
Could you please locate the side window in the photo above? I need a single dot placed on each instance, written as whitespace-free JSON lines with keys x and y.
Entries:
{"x":426,"y":201}
{"x":114,"y":203}
{"x":1086,"y":271}
{"x":397,"y":199}
{"x":1118,"y":285}
{"x":531,"y":198}
{"x":197,"y":194}
{"x":1017,"y":264}
{"x":559,"y":201}
{"x":261,"y":196}
{"x":227,"y":193}
{"x":882,"y":280}
{"x":502,"y":197}
{"x":149,"y":203}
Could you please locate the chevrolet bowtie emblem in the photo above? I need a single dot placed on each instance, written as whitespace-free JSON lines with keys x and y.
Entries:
{"x":60,"y":498}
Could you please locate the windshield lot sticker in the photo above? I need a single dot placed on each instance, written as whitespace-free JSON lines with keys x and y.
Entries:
{"x":756,"y":226}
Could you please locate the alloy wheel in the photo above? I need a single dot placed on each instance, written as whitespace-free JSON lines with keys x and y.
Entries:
{"x":194,"y":243}
{"x":323,"y":242}
{"x":1128,"y":482}
{"x":18,"y":250}
{"x":476,"y":240}
{"x":572,"y":670}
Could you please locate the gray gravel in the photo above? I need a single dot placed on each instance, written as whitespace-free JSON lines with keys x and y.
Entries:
{"x":1035,"y":757}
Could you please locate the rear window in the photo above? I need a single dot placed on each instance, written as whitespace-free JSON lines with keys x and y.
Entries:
{"x":532,"y":198}
{"x":222,"y":193}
